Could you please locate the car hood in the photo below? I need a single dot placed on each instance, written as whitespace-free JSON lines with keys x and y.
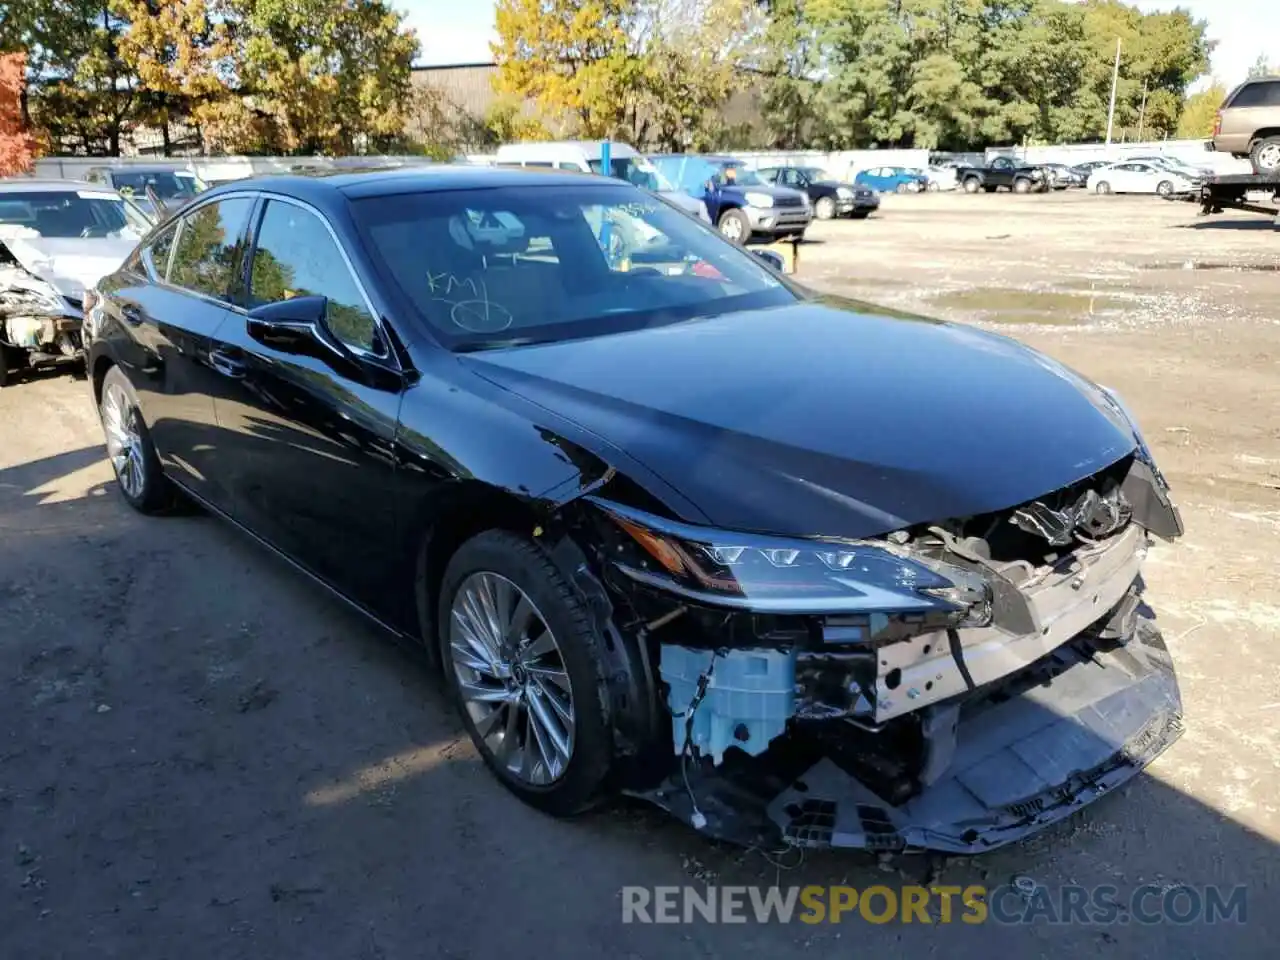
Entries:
{"x":772,"y":189}
{"x":826,"y":417}
{"x":70,"y":264}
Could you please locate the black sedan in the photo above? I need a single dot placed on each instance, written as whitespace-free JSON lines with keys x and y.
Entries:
{"x":829,"y":197}
{"x":795,"y":568}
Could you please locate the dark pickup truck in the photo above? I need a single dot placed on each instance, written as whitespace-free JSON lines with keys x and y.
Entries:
{"x":1003,"y":172}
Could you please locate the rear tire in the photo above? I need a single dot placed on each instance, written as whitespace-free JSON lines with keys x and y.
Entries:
{"x":972,"y":185}
{"x":133,"y":456}
{"x":1102,"y":188}
{"x":1265,"y":155}
{"x":902,"y":188}
{"x":1022,"y":185}
{"x":573,"y":654}
{"x":4,"y":367}
{"x":1164,"y":188}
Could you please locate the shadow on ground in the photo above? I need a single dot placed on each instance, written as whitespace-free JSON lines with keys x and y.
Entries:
{"x":204,"y":754}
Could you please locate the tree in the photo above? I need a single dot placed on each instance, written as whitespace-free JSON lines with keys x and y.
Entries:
{"x":1198,"y":116}
{"x":17,"y":149}
{"x":571,"y":57}
{"x":788,"y":60}
{"x":317,"y":76}
{"x":179,"y":54}
{"x":1262,"y":67}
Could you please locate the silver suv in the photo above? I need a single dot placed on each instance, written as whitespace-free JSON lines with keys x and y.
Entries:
{"x":1248,"y":124}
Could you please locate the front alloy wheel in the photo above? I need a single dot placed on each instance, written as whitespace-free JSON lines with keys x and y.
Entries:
{"x":524,"y":660}
{"x":512,"y":678}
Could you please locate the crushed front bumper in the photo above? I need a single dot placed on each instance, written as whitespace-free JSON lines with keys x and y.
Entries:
{"x":1018,"y":765}
{"x":1000,"y":764}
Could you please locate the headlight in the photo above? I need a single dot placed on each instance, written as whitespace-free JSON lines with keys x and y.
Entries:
{"x":791,"y":576}
{"x":759,"y":200}
{"x":844,"y":193}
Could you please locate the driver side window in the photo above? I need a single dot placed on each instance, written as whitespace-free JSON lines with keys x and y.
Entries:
{"x":295,"y":256}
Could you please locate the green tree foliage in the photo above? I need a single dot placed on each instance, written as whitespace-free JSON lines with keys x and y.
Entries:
{"x":644,"y":71}
{"x":1200,"y":112}
{"x":1262,"y":67}
{"x":965,"y":73}
{"x":280,"y":76}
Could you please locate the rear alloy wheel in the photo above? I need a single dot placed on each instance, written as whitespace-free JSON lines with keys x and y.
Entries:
{"x":522,"y":659}
{"x":133,"y":456}
{"x":825,"y":208}
{"x":934,"y":186}
{"x":1022,"y":185}
{"x":735,"y":227}
{"x":1102,"y":187}
{"x":972,"y":185}
{"x":1164,"y":188}
{"x":1265,"y":155}
{"x":903,"y":188}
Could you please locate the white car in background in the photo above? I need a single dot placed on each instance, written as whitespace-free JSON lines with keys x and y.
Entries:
{"x":57,"y":239}
{"x":1132,"y":176}
{"x":942,"y":178}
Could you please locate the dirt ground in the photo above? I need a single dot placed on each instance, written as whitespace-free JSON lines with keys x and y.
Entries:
{"x":201,"y":754}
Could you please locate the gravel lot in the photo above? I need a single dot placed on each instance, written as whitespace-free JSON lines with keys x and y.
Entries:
{"x":202,"y":754}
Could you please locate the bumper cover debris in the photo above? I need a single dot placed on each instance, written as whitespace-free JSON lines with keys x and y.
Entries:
{"x":1018,"y":765}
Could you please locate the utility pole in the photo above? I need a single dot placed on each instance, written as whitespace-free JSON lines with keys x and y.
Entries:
{"x":1142,"y":112}
{"x":1115,"y":79}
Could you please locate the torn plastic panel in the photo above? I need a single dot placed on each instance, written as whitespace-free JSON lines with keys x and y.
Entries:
{"x":34,"y":317}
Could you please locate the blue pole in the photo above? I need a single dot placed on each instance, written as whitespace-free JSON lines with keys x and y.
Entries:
{"x":606,"y":234}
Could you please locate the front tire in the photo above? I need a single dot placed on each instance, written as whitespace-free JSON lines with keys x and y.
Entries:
{"x":133,"y":456}
{"x":523,"y":663}
{"x":825,"y":208}
{"x":1164,"y":188}
{"x":735,"y":227}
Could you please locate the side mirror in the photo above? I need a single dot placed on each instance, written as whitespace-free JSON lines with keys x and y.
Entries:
{"x":295,"y":325}
{"x":771,"y":258}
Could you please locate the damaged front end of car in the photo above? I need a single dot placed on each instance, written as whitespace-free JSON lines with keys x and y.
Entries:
{"x":952,"y":686}
{"x":39,"y":325}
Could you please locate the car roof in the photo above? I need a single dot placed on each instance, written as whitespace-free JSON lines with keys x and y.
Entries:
{"x":576,"y":149}
{"x":34,"y":185}
{"x":325,"y":185}
{"x":147,"y":168}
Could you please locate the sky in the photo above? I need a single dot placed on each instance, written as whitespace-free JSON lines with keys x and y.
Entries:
{"x":459,"y":31}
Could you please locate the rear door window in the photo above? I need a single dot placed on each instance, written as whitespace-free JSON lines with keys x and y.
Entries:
{"x":208,"y":247}
{"x":1258,"y":95}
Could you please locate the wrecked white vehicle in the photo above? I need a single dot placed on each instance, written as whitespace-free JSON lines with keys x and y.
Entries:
{"x":56,"y":239}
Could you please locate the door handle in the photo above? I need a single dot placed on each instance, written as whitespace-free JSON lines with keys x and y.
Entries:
{"x":227,"y":365}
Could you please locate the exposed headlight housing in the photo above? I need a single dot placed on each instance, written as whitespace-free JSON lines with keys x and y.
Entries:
{"x":779,"y":575}
{"x":759,"y":199}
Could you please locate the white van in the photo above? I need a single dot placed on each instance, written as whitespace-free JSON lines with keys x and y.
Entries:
{"x":585,"y":156}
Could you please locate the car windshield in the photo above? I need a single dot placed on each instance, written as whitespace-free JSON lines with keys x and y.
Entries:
{"x":737,"y":174}
{"x":636,"y":170}
{"x":167,"y":184}
{"x":513,"y":265}
{"x":69,"y":213}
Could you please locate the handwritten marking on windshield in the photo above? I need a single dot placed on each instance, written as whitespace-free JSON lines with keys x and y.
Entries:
{"x":476,"y":313}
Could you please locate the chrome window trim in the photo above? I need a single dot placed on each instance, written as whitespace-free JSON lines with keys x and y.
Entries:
{"x":380,"y":334}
